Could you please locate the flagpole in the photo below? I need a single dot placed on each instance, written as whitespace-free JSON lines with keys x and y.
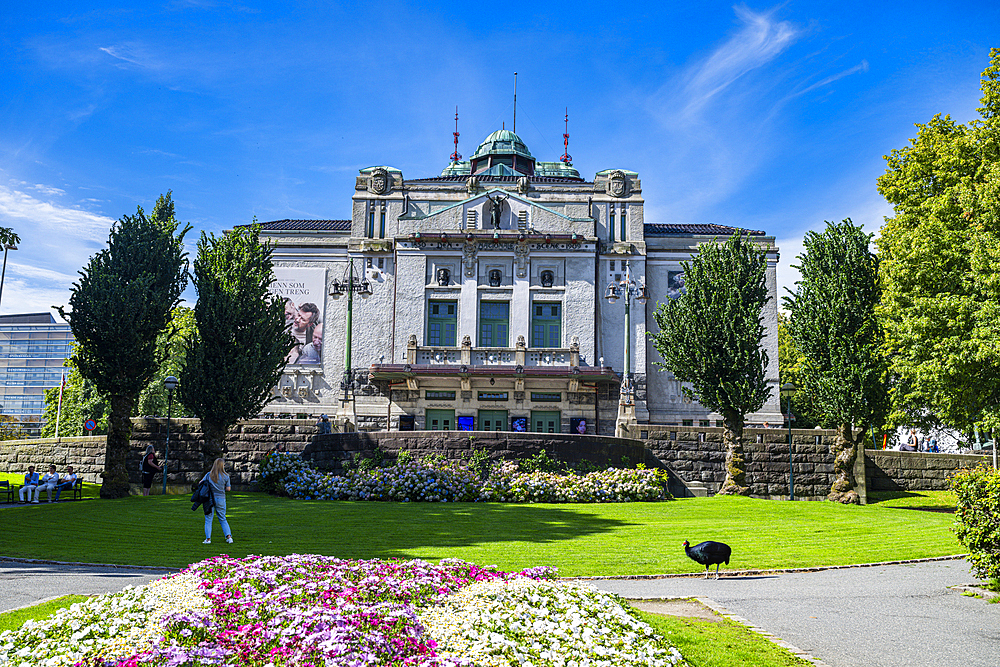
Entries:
{"x":62,"y":384}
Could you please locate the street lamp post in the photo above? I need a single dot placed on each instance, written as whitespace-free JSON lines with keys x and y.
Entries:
{"x":628,"y":288}
{"x":3,"y":273}
{"x":169,"y":383}
{"x":787,"y":390}
{"x":349,"y":286}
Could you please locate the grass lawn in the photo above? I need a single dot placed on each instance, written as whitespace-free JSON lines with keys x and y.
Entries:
{"x":720,"y":644}
{"x":12,"y":620}
{"x":593,"y":539}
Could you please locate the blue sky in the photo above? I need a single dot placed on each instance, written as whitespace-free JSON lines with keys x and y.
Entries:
{"x":762,"y":116}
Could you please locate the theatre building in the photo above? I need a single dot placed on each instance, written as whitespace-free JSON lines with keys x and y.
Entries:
{"x":478,"y":299}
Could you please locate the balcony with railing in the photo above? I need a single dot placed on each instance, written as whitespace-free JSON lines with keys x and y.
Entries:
{"x":467,"y":361}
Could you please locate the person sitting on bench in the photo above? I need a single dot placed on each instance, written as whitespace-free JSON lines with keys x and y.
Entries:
{"x":50,"y":481}
{"x":66,"y":481}
{"x":30,"y":484}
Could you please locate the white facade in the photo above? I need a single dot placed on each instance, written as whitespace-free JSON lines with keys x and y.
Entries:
{"x":486,"y":305}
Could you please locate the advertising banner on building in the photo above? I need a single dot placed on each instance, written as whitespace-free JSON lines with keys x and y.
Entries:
{"x":304,"y":293}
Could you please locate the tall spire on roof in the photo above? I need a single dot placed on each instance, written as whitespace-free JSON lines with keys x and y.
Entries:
{"x":455,"y":157}
{"x":566,"y":157}
{"x":514,"y":127}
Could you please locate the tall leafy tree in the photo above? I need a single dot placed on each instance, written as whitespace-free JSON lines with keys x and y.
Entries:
{"x":711,"y":338}
{"x":939,"y":270}
{"x":833,"y":323}
{"x":789,"y":370}
{"x":81,"y":400}
{"x":237,"y":355}
{"x":120,"y":304}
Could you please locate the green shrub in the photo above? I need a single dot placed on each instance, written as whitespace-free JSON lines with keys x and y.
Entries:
{"x":977,"y":520}
{"x":540,"y":462}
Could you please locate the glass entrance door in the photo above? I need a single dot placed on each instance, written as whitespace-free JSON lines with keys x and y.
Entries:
{"x":545,"y":421}
{"x":440,"y":420}
{"x":492,"y":420}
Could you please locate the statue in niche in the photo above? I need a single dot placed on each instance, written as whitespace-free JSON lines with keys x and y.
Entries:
{"x":495,"y":277}
{"x":443,"y":277}
{"x":547,"y":278}
{"x":496,"y":209}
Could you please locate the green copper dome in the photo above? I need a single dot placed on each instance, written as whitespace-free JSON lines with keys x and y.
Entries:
{"x":502,"y":142}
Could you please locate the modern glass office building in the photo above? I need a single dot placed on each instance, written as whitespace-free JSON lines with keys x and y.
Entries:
{"x":33,"y":347}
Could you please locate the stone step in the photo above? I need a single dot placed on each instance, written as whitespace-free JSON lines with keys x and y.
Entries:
{"x":697,"y":489}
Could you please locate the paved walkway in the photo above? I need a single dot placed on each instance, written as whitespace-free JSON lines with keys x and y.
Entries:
{"x":886,"y":616}
{"x":24,"y":584}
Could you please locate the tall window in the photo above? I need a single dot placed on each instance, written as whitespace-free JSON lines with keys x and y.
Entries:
{"x":381,"y":224}
{"x":370,"y":230}
{"x":621,"y":219}
{"x":494,"y":319}
{"x":611,"y":227}
{"x":442,"y":323}
{"x":546,"y":325}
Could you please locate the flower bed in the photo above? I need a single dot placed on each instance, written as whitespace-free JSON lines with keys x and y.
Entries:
{"x":457,"y":481}
{"x":308,"y":611}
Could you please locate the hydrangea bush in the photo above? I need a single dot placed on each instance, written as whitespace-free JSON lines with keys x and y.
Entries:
{"x":311,"y":611}
{"x":435,"y":480}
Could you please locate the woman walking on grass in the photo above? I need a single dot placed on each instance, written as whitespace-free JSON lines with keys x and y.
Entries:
{"x":218,"y":480}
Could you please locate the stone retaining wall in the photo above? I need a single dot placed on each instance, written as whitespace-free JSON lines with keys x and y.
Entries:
{"x":696,"y":454}
{"x":915,"y":471}
{"x":247,"y":443}
{"x":329,"y":452}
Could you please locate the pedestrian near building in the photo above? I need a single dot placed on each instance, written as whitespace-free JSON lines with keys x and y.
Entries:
{"x":150,"y":466}
{"x":218,"y":480}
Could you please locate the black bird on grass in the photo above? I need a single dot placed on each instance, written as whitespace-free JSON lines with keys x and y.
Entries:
{"x":709,"y":553}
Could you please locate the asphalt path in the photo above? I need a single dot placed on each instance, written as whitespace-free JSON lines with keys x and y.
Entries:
{"x":23,"y":584}
{"x":884,"y":616}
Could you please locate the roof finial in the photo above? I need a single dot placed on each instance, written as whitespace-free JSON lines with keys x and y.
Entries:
{"x":514,"y":129}
{"x":566,"y":157}
{"x":455,"y":157}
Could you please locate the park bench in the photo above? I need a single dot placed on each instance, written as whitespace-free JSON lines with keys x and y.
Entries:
{"x":6,"y":488}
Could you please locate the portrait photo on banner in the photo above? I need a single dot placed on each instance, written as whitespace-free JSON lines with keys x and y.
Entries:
{"x":303,"y":291}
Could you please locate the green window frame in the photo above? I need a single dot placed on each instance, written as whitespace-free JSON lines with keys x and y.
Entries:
{"x":494,"y":323}
{"x":546,"y":324}
{"x":370,"y":228}
{"x":442,"y":323}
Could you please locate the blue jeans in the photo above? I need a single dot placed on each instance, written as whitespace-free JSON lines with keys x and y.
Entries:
{"x":220,"y":511}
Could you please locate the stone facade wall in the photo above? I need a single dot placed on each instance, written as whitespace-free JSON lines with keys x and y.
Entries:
{"x":247,"y":443}
{"x":915,"y":471}
{"x":328,"y":452}
{"x":696,"y":454}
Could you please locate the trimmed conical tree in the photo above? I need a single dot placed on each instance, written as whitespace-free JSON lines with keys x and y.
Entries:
{"x":711,"y":335}
{"x":122,"y":301}
{"x":237,"y":355}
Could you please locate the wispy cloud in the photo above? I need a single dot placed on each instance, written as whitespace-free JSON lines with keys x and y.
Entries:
{"x":20,"y":207}
{"x":860,"y":67}
{"x":759,"y":41}
{"x":132,"y":53}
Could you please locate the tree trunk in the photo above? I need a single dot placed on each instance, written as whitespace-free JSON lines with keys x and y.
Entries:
{"x":214,"y":446}
{"x":115,"y":475}
{"x":732,"y":438}
{"x":845,"y":454}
